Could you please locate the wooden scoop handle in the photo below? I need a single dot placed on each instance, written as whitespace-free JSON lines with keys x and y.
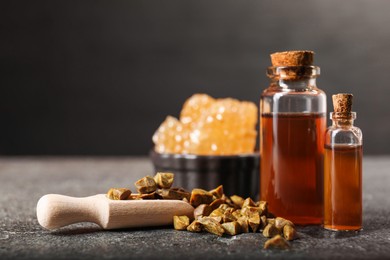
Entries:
{"x":55,"y":211}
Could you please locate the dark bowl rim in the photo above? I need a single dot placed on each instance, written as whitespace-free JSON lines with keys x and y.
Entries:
{"x":194,"y":156}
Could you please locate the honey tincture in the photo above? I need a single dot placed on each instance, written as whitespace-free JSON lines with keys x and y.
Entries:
{"x":292,"y":127}
{"x":343,"y":168}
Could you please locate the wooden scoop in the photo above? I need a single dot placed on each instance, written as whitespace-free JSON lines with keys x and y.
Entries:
{"x":55,"y":211}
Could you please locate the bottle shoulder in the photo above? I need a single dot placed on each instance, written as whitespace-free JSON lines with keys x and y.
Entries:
{"x":344,"y":135}
{"x":279,"y":100}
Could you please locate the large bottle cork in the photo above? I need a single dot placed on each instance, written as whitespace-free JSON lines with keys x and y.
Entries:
{"x":292,"y":58}
{"x":342,"y":103}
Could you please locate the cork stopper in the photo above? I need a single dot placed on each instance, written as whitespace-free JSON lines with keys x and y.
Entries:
{"x":292,"y":58}
{"x":342,"y":103}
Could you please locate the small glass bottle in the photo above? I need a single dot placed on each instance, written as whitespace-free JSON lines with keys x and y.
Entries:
{"x":343,"y":168}
{"x":292,"y":127}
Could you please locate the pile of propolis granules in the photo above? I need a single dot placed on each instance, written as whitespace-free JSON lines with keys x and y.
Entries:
{"x":214,"y":212}
{"x":209,"y":126}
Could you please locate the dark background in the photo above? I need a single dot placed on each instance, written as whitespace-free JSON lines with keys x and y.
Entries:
{"x":98,"y":77}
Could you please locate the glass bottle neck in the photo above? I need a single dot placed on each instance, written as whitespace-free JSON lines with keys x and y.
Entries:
{"x":298,"y":78}
{"x":342,"y":120}
{"x":299,"y":85}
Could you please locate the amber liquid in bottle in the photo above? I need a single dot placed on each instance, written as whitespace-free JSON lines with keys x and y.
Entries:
{"x":343,"y":187}
{"x":292,"y":165}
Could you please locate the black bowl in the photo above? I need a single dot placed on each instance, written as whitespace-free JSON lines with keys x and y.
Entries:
{"x":239,"y":174}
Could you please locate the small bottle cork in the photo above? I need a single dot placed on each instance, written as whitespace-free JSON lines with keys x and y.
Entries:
{"x":292,"y":58}
{"x":342,"y":103}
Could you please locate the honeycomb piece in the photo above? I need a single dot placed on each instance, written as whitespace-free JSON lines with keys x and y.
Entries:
{"x":209,"y":126}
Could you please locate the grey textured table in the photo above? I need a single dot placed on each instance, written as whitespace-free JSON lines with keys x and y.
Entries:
{"x":24,"y":180}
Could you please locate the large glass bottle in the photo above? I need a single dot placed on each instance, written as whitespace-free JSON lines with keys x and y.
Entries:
{"x":343,"y":168}
{"x":292,"y":127}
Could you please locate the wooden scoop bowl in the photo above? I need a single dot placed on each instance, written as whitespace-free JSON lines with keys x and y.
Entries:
{"x":55,"y":211}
